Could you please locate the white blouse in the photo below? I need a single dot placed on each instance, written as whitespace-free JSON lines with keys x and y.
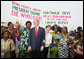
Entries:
{"x":48,"y":39}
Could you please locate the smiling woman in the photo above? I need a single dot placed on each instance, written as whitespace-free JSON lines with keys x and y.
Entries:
{"x":7,"y":46}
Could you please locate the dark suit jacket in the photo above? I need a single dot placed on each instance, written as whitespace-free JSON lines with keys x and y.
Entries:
{"x":36,"y":42}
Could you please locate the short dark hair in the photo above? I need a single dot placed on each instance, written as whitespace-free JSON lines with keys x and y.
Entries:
{"x":28,"y":22}
{"x":54,"y":27}
{"x":6,"y":30}
{"x":58,"y":28}
{"x":9,"y":23}
{"x":78,"y":28}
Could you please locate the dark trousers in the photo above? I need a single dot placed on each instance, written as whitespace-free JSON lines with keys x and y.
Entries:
{"x":37,"y":54}
{"x":46,"y":52}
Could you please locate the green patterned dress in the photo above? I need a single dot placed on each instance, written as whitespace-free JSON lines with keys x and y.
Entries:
{"x":54,"y":47}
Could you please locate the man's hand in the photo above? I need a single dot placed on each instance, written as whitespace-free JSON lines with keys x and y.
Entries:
{"x":42,"y":48}
{"x":29,"y":48}
{"x":44,"y":41}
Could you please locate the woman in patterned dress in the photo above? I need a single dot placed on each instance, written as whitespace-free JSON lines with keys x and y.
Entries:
{"x":23,"y":46}
{"x":12,"y":34}
{"x":11,"y":31}
{"x":62,"y":40}
{"x":54,"y":45}
{"x":17,"y":36}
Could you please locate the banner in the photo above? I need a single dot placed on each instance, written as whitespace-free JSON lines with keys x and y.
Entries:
{"x":50,"y":17}
{"x":60,"y":13}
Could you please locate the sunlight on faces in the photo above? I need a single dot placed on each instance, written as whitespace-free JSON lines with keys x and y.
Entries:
{"x":55,"y":30}
{"x":48,"y":29}
{"x":64,"y":30}
{"x":18,"y":26}
{"x":5,"y":34}
{"x":28,"y":25}
{"x":36,"y":23}
{"x":76,"y":35}
{"x":11,"y":26}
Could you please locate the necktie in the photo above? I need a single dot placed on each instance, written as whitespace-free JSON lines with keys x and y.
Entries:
{"x":36,"y":31}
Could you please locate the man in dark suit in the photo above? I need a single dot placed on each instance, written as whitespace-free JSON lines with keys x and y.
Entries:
{"x":36,"y":37}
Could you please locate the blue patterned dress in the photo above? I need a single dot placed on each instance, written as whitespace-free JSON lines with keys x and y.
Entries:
{"x":23,"y":46}
{"x":63,"y":51}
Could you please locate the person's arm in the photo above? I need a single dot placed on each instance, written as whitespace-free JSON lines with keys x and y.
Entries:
{"x":18,"y":34}
{"x":30,"y":40}
{"x":43,"y":38}
{"x":56,"y":40}
{"x":12,"y":49}
{"x":52,"y":39}
{"x":30,"y":37}
{"x":78,"y":51}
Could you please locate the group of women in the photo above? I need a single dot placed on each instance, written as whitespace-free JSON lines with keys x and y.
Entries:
{"x":14,"y":42}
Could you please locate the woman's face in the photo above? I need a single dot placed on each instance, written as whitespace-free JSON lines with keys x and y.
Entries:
{"x":48,"y":29}
{"x":80,"y":29}
{"x":55,"y":30}
{"x":6,"y":35}
{"x":18,"y":26}
{"x":2,"y":29}
{"x":76,"y":34}
{"x":28,"y":25}
{"x":72,"y":32}
{"x":11,"y":26}
{"x":64,"y":29}
{"x":70,"y":41}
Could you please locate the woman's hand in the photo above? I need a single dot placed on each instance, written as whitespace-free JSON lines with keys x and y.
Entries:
{"x":61,"y":45}
{"x":66,"y":41}
{"x":78,"y":51}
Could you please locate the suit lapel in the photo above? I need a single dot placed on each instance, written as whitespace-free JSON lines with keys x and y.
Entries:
{"x":34,"y":32}
{"x":38,"y":31}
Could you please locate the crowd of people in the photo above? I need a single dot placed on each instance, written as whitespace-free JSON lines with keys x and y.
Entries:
{"x":37,"y":42}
